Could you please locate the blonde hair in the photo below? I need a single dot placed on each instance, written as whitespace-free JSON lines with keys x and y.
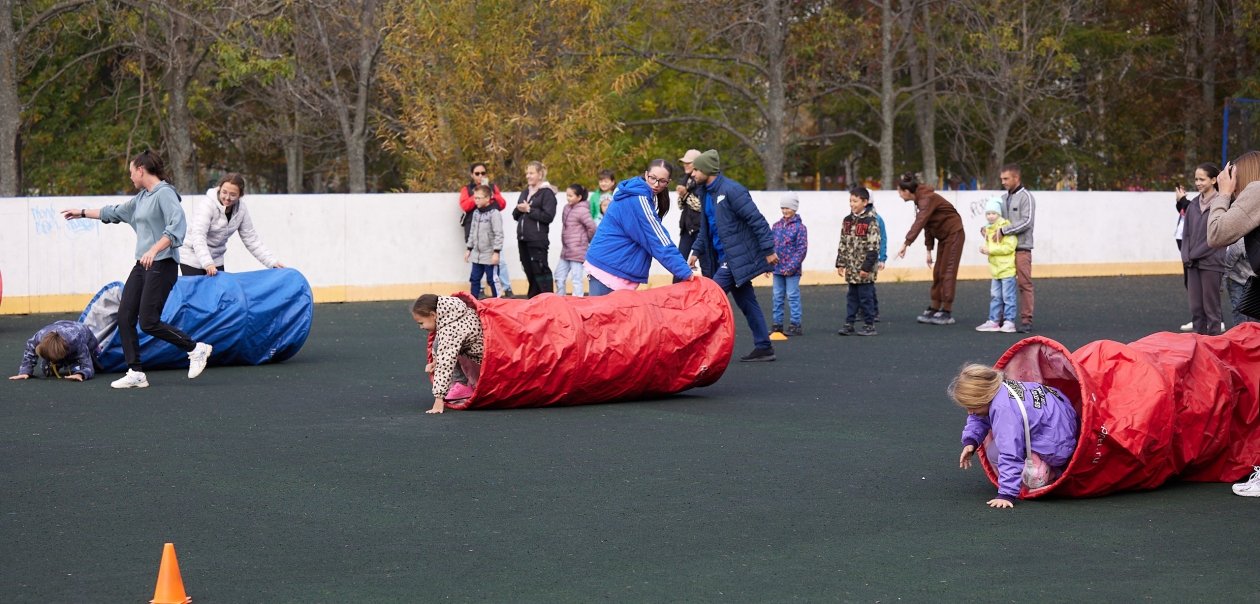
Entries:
{"x":975,"y":386}
{"x":1246,"y":170}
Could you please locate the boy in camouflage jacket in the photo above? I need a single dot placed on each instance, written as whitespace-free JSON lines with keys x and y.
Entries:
{"x":856,"y":262}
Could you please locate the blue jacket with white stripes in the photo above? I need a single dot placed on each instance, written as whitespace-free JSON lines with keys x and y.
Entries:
{"x":631,"y":234}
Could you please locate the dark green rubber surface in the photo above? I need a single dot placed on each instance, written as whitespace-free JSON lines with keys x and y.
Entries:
{"x":829,"y":475}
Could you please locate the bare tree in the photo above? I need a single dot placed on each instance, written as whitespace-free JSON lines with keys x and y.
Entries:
{"x":346,"y":42}
{"x":1010,"y":68}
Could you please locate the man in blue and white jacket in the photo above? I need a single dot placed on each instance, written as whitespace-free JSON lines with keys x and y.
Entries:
{"x":736,"y":245}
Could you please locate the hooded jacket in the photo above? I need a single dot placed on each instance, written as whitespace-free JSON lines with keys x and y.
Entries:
{"x":1052,"y":423}
{"x":211,"y":229}
{"x":458,"y":332}
{"x":733,"y":231}
{"x":485,"y":234}
{"x":153,"y":214}
{"x":577,"y":230}
{"x":631,"y":235}
{"x":1002,"y":252}
{"x":81,"y":352}
{"x":1196,"y":250}
{"x":534,"y":226}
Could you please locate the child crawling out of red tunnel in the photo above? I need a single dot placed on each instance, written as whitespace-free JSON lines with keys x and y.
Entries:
{"x":1166,"y":407}
{"x":1032,"y":427}
{"x":455,"y":346}
{"x":561,"y":350}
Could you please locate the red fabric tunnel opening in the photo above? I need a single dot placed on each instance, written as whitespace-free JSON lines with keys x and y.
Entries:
{"x":1168,"y":406}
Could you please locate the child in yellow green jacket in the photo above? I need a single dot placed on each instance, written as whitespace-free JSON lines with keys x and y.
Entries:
{"x":1001,"y":253}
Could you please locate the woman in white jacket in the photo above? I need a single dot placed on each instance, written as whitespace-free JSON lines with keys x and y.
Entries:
{"x":213,"y":222}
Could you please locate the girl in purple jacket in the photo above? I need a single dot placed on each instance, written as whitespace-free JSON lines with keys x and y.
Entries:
{"x":993,"y":406}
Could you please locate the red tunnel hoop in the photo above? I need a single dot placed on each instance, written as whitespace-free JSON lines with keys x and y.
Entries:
{"x":1168,"y":406}
{"x":556,"y":350}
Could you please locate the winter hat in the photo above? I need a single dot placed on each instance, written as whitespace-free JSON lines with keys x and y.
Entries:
{"x":993,"y":205}
{"x":708,"y":162}
{"x":690,"y":156}
{"x":790,"y":202}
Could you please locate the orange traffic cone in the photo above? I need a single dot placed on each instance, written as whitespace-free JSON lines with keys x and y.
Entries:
{"x":170,"y":586}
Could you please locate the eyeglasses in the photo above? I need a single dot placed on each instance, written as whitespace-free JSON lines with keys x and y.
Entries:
{"x":652,"y":180}
{"x":482,"y":173}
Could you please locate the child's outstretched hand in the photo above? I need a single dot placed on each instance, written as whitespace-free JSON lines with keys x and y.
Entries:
{"x":998,"y":502}
{"x":964,"y":460}
{"x":439,"y":405}
{"x":20,"y":376}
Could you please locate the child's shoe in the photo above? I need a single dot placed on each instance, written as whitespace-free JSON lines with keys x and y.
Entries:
{"x":1251,"y":488}
{"x":942,"y":317}
{"x":458,"y":392}
{"x":776,"y":327}
{"x":1008,"y":327}
{"x":794,"y":330}
{"x":847,"y":330}
{"x":133,"y":379}
{"x":868,"y":330}
{"x":926,"y":316}
{"x":990,"y":326}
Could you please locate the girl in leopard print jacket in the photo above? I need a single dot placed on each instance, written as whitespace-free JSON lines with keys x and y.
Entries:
{"x":454,"y":332}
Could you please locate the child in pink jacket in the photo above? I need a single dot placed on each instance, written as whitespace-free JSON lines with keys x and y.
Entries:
{"x":575,"y":236}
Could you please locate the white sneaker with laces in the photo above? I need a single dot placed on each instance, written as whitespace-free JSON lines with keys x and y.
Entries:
{"x":1188,"y":326}
{"x":197,"y":359}
{"x":988,"y":326}
{"x":133,"y":379}
{"x":1008,"y":327}
{"x":1251,"y":488}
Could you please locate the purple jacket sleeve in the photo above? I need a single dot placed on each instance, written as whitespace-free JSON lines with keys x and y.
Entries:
{"x":976,"y":429}
{"x":1008,"y":437}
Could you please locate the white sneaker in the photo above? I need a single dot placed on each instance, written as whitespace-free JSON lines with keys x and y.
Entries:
{"x":1251,"y":488}
{"x":1008,"y":327}
{"x":197,"y":359}
{"x":133,"y":379}
{"x":988,"y":326}
{"x":1188,"y":326}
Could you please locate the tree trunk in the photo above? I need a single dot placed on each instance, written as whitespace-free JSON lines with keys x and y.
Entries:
{"x":925,"y":103}
{"x":1189,"y":127}
{"x":10,"y":106}
{"x":293,"y":160}
{"x":774,"y":154}
{"x":1209,"y":66}
{"x":1001,"y":133}
{"x":887,"y":96}
{"x":179,"y":145}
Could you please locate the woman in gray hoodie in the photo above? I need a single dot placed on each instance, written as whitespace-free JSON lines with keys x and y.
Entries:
{"x":158,"y":220}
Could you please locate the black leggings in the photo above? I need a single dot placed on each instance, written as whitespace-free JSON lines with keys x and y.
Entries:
{"x":143,"y":297}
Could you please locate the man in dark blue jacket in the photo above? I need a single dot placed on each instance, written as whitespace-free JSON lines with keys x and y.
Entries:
{"x":735,"y":244}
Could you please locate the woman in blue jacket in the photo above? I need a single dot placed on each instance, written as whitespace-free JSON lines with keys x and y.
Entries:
{"x":631,"y":235}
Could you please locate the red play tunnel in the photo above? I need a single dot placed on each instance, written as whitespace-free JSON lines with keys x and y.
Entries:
{"x":1168,"y":406}
{"x":555,"y":350}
